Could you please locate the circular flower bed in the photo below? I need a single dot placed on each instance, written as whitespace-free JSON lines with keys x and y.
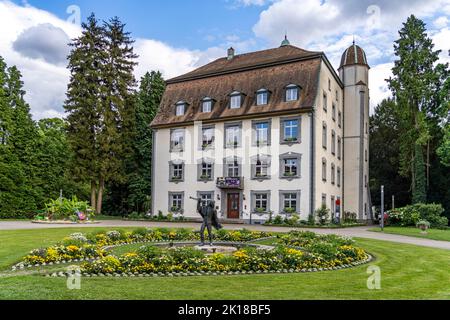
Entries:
{"x":293,"y":252}
{"x":81,"y":247}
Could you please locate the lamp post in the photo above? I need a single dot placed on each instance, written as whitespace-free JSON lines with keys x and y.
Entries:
{"x":382,"y":208}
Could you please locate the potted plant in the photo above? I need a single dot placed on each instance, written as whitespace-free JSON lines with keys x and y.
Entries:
{"x":289,"y":174}
{"x":291,"y":139}
{"x":205,"y":177}
{"x":424,"y":226}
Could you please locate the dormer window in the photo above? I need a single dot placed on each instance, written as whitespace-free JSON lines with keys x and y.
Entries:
{"x":292,"y":92}
{"x":235,"y":100}
{"x":207,"y":104}
{"x":262,"y":97}
{"x":180,"y":108}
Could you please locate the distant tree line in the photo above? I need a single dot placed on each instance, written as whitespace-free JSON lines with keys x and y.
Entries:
{"x":410,"y":133}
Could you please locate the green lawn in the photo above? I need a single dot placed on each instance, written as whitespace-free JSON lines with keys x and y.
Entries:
{"x":408,"y":272}
{"x":434,"y":234}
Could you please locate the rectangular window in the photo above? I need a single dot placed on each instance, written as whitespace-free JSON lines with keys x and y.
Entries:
{"x":324,"y":135}
{"x":262,"y":98}
{"x":325,"y":103}
{"x":207,"y":106}
{"x":333,"y":207}
{"x":333,"y":112}
{"x":333,"y":174}
{"x":233,"y":169}
{"x":262,"y":133}
{"x":290,"y":167}
{"x":207,"y":138}
{"x":366,"y":155}
{"x":333,"y":142}
{"x":340,"y":119}
{"x":180,"y":109}
{"x":206,"y":197}
{"x":329,"y":85}
{"x":339,"y":148}
{"x":324,"y":199}
{"x":177,"y":140}
{"x":324,"y":170}
{"x":261,"y":169}
{"x":207,"y":171}
{"x":235,"y":102}
{"x":261,"y":202}
{"x":292,"y":94}
{"x":177,"y":172}
{"x":233,"y":136}
{"x":291,"y":130}
{"x":290,"y":202}
{"x":176,"y":202}
{"x":338,"y":178}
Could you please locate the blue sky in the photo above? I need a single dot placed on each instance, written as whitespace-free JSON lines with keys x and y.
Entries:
{"x":176,"y":36}
{"x":189,"y":23}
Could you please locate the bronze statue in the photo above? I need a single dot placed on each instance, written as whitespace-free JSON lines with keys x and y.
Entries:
{"x":210,"y":219}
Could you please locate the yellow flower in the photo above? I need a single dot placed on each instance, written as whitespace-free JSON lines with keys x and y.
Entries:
{"x":295,"y":252}
{"x":240,"y":254}
{"x":72,"y":248}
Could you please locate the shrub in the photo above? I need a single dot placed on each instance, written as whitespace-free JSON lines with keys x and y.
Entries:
{"x":323,"y":214}
{"x":349,"y":217}
{"x":65,"y":209}
{"x":411,"y":215}
{"x":278,"y":220}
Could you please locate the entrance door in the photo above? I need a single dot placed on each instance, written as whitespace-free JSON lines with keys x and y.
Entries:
{"x":233,"y":206}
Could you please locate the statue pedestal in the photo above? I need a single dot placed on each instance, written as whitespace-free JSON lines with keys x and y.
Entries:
{"x":216,"y":249}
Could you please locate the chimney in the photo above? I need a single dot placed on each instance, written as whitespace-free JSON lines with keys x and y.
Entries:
{"x":230,"y":54}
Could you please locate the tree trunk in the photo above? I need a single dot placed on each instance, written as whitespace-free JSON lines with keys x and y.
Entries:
{"x":101,"y":187}
{"x":93,"y":194}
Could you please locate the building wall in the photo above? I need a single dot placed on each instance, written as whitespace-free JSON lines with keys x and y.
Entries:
{"x":326,"y":188}
{"x":193,"y":153}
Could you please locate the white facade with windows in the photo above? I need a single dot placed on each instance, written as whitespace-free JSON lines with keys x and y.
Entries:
{"x":264,"y":151}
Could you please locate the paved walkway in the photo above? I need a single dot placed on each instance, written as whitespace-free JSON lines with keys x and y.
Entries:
{"x":358,"y":232}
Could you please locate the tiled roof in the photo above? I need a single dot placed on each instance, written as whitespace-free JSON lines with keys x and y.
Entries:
{"x":249,"y":60}
{"x":354,"y":55}
{"x":272,"y":69}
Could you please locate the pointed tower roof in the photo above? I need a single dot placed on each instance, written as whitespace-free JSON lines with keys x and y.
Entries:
{"x":354,"y":55}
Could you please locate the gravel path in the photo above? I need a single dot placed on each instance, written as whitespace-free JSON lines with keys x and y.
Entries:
{"x":358,"y":232}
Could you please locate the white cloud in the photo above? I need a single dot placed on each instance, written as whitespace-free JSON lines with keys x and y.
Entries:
{"x":45,"y":76}
{"x":330,"y":26}
{"x":44,"y":82}
{"x":441,"y":22}
{"x":378,"y":86}
{"x":247,"y":3}
{"x":441,"y":40}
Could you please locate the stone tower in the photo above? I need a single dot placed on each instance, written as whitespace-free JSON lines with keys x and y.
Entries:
{"x":354,"y":73}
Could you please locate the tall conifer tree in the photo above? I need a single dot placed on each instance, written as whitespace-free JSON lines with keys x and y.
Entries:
{"x":412,"y":86}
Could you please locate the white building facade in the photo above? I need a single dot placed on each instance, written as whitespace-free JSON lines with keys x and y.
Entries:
{"x":275,"y":132}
